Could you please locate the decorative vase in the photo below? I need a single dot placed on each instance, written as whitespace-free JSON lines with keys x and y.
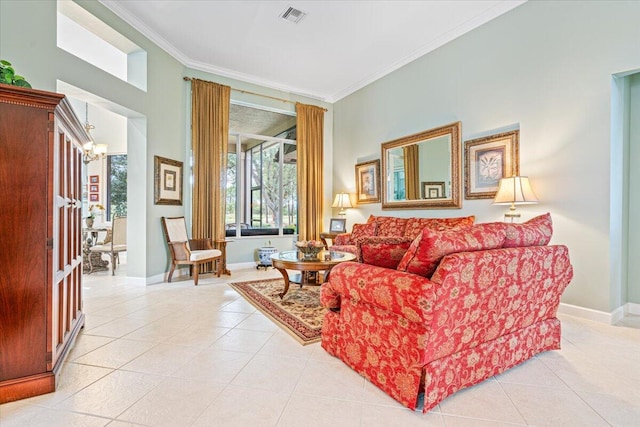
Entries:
{"x":89,"y":222}
{"x":310,"y":253}
{"x":264,"y":255}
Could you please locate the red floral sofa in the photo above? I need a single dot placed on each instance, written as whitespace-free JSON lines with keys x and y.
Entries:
{"x":463,"y":305}
{"x":383,"y":240}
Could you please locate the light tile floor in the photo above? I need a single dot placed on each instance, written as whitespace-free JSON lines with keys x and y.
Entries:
{"x":179,"y":355}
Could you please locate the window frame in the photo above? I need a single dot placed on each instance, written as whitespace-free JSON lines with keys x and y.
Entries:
{"x":244,"y":187}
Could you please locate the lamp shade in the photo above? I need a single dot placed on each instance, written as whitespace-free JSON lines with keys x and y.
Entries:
{"x":515,"y":190}
{"x":342,"y":201}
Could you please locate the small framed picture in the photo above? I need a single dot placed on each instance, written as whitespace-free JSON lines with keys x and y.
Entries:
{"x":368,"y":182}
{"x":487,"y":160}
{"x":338,"y":225}
{"x":94,"y":197}
{"x":433,"y":190}
{"x":94,"y":188}
{"x":168,"y":181}
{"x":94,"y":179}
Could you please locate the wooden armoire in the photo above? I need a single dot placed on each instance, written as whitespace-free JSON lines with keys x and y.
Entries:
{"x":40,"y":238}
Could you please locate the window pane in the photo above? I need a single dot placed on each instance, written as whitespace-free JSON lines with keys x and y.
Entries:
{"x":231,"y":217}
{"x":117,"y":186}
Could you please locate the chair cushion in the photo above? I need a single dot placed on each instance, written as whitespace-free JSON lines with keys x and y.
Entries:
{"x":535,"y":232}
{"x":205,"y":254}
{"x":428,"y":249}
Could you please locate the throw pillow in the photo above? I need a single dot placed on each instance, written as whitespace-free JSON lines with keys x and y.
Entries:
{"x":382,"y":251}
{"x":363,"y":230}
{"x":428,"y":249}
{"x":389,"y":225}
{"x":416,"y":225}
{"x":535,"y":232}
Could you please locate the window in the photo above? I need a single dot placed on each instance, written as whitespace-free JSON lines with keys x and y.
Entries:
{"x":83,"y":35}
{"x":116,"y":186}
{"x":261,"y":185}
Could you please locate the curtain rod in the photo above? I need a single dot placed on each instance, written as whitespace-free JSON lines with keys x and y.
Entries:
{"x":188,"y":79}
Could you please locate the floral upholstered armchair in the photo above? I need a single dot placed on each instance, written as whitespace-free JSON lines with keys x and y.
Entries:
{"x":461,"y":306}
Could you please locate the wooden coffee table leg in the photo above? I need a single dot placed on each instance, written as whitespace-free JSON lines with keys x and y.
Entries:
{"x":285,"y":275}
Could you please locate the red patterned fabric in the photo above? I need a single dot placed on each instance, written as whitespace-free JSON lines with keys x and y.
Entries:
{"x":382,"y":251}
{"x":342,"y":239}
{"x":416,"y":225}
{"x":389,"y":226}
{"x":535,"y":232}
{"x":430,"y":247}
{"x":480,"y":314}
{"x":363,"y":230}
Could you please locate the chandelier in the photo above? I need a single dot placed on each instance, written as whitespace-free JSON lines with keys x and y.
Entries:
{"x":91,"y":151}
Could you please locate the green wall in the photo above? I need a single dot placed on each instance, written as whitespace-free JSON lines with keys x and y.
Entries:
{"x":157,"y":119}
{"x":633,"y":279}
{"x":546,"y":68}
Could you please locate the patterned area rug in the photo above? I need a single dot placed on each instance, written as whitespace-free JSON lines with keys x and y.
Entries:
{"x":299,"y":312}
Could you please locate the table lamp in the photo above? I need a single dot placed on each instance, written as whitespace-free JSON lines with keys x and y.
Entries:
{"x":513,"y":191}
{"x":342,"y":201}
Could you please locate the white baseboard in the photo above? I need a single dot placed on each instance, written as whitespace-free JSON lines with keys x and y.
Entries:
{"x":632,"y":308}
{"x":599,"y":316}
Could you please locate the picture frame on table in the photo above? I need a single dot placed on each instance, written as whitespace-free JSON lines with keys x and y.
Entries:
{"x":168,"y":181}
{"x":94,"y":179}
{"x":368,"y":182}
{"x":94,"y":188}
{"x":94,"y":197}
{"x":338,"y":225}
{"x":433,"y":190}
{"x":487,"y":160}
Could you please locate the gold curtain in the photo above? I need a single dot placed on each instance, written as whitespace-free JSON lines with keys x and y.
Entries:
{"x":209,"y":142}
{"x":411,"y":172}
{"x":310,"y":140}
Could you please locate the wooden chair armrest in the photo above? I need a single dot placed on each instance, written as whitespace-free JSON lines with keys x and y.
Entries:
{"x":200,"y":244}
{"x":180,"y":250}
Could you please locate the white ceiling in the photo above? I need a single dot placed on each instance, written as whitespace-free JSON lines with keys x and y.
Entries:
{"x":338,"y":48}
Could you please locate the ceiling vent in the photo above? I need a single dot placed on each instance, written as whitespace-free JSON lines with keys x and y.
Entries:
{"x":293,"y":15}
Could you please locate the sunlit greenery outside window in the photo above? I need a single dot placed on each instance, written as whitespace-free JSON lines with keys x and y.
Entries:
{"x":116,"y":186}
{"x":261,"y":188}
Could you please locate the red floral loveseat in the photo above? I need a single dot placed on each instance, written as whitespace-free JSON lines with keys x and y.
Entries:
{"x":463,"y":305}
{"x":383,"y":240}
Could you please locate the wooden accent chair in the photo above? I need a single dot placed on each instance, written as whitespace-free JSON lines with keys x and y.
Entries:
{"x":113,"y":248}
{"x":185,"y":251}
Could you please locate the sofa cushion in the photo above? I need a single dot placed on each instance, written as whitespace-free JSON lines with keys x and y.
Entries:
{"x":535,"y":232}
{"x":416,"y":225}
{"x":389,"y":225}
{"x":363,"y":230}
{"x":342,"y":239}
{"x":382,"y":251}
{"x":426,"y":251}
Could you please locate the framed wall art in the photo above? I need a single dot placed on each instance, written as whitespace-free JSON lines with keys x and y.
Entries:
{"x":487,"y":160}
{"x":94,"y":188}
{"x":168,"y":181}
{"x":368,"y":182}
{"x":433,"y":190}
{"x":93,"y":197}
{"x":94,"y":179}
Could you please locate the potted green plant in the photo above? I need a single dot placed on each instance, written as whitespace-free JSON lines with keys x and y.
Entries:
{"x":8,"y":75}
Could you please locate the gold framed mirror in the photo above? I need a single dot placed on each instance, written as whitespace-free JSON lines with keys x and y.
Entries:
{"x":422,"y":171}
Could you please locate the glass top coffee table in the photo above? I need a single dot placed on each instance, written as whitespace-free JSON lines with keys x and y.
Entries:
{"x":309,"y":269}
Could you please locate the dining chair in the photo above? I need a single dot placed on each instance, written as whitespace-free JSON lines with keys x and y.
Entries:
{"x":117,"y":244}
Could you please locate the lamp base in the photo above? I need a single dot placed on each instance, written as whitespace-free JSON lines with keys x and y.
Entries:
{"x":511,"y":215}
